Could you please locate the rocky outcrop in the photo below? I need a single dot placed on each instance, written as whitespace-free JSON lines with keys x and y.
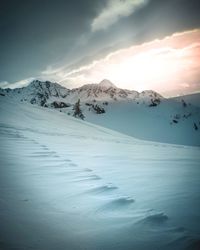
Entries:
{"x":60,"y":105}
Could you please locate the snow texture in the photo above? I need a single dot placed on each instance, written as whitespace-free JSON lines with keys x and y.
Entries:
{"x":69,"y":184}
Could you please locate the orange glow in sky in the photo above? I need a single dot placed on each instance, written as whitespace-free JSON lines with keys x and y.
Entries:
{"x":170,"y":65}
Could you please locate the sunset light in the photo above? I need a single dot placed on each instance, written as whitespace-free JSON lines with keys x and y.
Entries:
{"x":167,"y":65}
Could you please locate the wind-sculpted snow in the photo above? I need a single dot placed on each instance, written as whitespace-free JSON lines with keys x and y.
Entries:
{"x":117,"y":204}
{"x":156,"y":218}
{"x":102,"y":189}
{"x":69,"y":184}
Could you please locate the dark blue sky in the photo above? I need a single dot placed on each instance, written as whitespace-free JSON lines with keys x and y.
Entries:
{"x":36,"y":35}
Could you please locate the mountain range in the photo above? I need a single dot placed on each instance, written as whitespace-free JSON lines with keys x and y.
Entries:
{"x":146,"y":115}
{"x":44,"y":93}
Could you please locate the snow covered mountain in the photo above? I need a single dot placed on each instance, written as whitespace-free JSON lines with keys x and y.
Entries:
{"x":69,"y":184}
{"x":146,"y":115}
{"x":44,"y":93}
{"x":37,"y":92}
{"x":104,"y":91}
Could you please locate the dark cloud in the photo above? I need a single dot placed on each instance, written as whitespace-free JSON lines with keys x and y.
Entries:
{"x":35,"y":34}
{"x":160,"y":18}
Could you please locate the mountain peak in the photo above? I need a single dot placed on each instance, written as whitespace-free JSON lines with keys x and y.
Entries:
{"x":106,"y":84}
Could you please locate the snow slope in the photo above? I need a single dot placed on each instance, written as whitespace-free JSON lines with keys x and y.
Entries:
{"x":194,"y":99}
{"x":145,"y":115}
{"x":69,"y":184}
{"x":168,"y":122}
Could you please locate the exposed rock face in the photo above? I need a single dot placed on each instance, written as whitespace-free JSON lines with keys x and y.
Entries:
{"x":39,"y":93}
{"x":57,"y":104}
{"x":150,"y":97}
{"x":98,"y":109}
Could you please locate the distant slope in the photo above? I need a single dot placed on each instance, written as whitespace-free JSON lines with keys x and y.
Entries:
{"x":168,"y":122}
{"x":193,"y":99}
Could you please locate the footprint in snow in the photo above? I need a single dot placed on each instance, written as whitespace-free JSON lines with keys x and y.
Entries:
{"x":88,"y":178}
{"x":73,"y":165}
{"x":102,"y":189}
{"x":87,"y":170}
{"x":117,"y":204}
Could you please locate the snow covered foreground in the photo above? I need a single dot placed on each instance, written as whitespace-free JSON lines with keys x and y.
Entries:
{"x":67,"y":184}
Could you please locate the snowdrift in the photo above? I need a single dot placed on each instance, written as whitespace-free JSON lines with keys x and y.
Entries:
{"x":69,"y":184}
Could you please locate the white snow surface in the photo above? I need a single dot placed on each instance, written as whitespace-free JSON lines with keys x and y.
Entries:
{"x":194,"y":99}
{"x":68,"y":184}
{"x":151,"y":123}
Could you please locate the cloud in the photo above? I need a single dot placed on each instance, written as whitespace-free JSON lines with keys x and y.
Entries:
{"x":115,"y":10}
{"x":169,"y":65}
{"x":19,"y":84}
{"x":4,"y":84}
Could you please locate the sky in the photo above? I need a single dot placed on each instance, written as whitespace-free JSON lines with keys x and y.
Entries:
{"x":136,"y":44}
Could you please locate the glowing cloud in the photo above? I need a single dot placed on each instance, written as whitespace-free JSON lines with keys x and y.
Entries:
{"x":170,"y":65}
{"x":114,"y":10}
